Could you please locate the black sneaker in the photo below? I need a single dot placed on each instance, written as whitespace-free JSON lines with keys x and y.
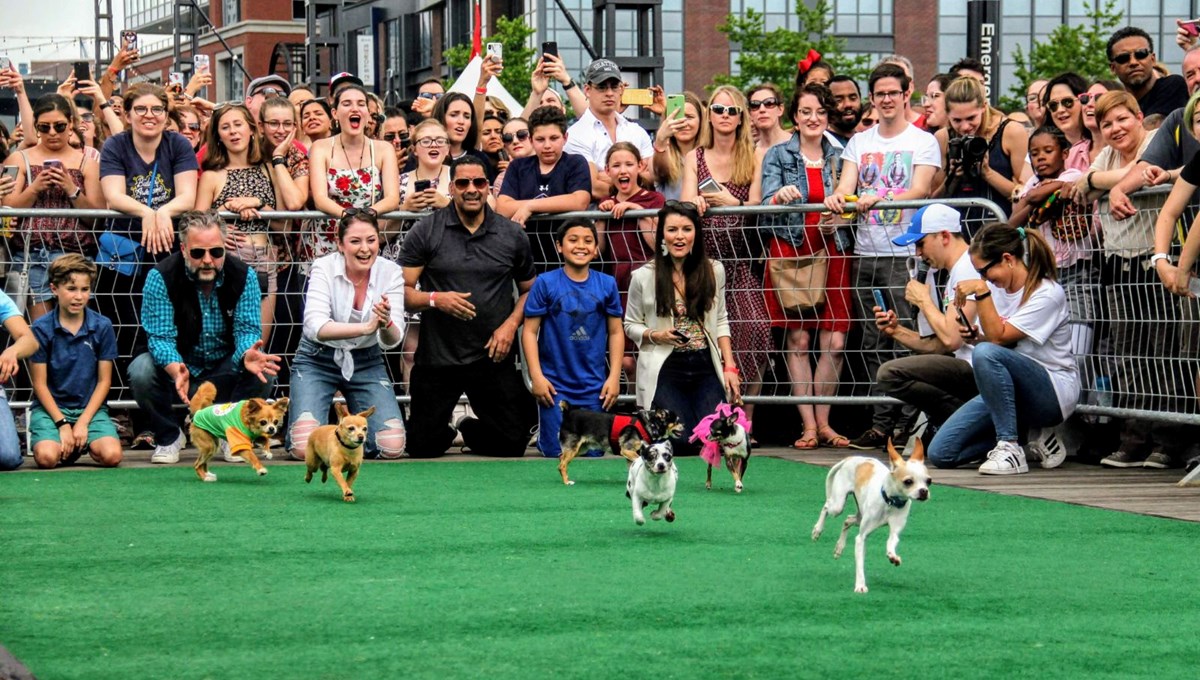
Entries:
{"x":1160,"y":461}
{"x":868,"y":441}
{"x":1124,"y":459}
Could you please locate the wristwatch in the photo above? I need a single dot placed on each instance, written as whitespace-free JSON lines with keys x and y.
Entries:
{"x":1159,"y":256}
{"x":78,"y":190}
{"x":569,"y":85}
{"x":60,"y":422}
{"x":278,"y":160}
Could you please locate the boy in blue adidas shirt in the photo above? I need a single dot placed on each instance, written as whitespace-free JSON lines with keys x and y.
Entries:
{"x":71,"y":372}
{"x":573,"y":338}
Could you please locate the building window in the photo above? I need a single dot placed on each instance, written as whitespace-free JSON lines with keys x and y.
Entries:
{"x":231,"y":12}
{"x":458,"y":22}
{"x":420,"y":39}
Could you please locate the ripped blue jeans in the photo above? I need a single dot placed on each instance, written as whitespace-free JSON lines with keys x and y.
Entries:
{"x":315,"y":379}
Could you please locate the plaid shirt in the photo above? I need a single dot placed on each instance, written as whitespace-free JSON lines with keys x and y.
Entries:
{"x":158,"y":318}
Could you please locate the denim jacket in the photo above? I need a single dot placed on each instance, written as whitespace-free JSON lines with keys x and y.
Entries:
{"x":782,"y":166}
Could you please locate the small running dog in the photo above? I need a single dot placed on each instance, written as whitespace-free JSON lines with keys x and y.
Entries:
{"x":652,"y":479}
{"x":725,"y":434}
{"x":626,"y":435}
{"x":882,"y":496}
{"x":338,"y":448}
{"x":240,"y":423}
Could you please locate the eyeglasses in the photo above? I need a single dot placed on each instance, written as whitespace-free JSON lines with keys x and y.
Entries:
{"x":351,"y":213}
{"x":769,"y":103}
{"x":890,"y":94}
{"x":44,"y":128}
{"x":676,"y":205}
{"x":607,"y":86}
{"x":269,"y":92}
{"x":984,"y":269}
{"x":930,"y":97}
{"x":508,"y":137}
{"x":1124,"y":57}
{"x":275,"y":124}
{"x":430,"y":95}
{"x":1067,"y":103}
{"x":868,"y":121}
{"x":806,"y":113}
{"x":149,"y":110}
{"x":427,"y":142}
{"x":1087,"y":98}
{"x":1033,"y":98}
{"x":721,"y":110}
{"x":87,"y":118}
{"x":463,"y":182}
{"x":216,"y":252}
{"x":393,"y":136}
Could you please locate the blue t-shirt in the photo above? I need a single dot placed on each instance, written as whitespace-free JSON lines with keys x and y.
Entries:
{"x":119,"y":157}
{"x":8,"y":308}
{"x":72,"y":358}
{"x":573,"y":343}
{"x":524,"y":181}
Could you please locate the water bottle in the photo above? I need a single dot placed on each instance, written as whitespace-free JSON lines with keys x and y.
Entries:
{"x":1103,"y":395}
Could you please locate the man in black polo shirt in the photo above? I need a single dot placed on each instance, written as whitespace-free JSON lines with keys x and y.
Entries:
{"x":1131,"y":58}
{"x":467,"y":260}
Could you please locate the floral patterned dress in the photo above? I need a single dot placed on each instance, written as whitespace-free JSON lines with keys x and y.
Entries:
{"x":725,"y":239}
{"x":349,"y":188}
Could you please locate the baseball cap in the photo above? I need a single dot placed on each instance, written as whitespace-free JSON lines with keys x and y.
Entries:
{"x":343,"y":78}
{"x":276,"y":81}
{"x":601,"y":70}
{"x":931,"y":219}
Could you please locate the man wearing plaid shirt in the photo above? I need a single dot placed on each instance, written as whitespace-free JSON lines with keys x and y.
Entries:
{"x":201,"y":310}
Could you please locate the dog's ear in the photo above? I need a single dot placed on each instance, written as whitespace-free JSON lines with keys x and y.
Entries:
{"x":282,"y":404}
{"x":368,"y":413}
{"x":893,"y":456}
{"x":918,"y":454}
{"x":253,"y":406}
{"x":341,"y":410}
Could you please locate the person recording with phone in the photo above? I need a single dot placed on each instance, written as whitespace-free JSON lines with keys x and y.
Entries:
{"x":602,"y":125}
{"x":52,"y":175}
{"x":550,"y":68}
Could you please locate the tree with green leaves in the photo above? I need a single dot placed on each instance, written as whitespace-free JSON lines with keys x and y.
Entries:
{"x":1080,"y":49}
{"x":772,"y":56}
{"x":519,"y":58}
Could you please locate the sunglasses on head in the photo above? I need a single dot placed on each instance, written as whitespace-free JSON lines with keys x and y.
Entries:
{"x":686,"y":205}
{"x":1067,"y":103}
{"x":769,"y":103}
{"x":721,"y":110}
{"x":351,"y":213}
{"x":508,"y":137}
{"x":216,"y":252}
{"x":1124,"y":57}
{"x":478,"y":182}
{"x":44,"y":128}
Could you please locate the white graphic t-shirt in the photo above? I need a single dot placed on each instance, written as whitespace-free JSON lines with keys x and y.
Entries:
{"x":887,"y":164}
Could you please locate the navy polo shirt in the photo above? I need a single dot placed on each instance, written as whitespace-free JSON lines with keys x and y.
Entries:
{"x":72,"y":359}
{"x":485,"y":264}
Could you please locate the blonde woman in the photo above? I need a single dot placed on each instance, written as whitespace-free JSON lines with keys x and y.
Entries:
{"x":675,"y":139}
{"x":723,"y":171}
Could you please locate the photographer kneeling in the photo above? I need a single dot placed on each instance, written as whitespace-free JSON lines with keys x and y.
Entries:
{"x":981,"y":152}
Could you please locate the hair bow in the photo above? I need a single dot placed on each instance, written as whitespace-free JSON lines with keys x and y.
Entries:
{"x":807,"y":62}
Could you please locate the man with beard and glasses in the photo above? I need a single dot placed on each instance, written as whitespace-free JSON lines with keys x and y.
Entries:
{"x":468,"y":259}
{"x":849,"y":107}
{"x":201,"y":311}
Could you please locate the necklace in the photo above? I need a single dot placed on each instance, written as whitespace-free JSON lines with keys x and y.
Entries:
{"x":362,"y":153}
{"x":809,"y":163}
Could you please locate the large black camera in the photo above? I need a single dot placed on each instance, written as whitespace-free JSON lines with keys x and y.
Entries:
{"x":967,"y":152}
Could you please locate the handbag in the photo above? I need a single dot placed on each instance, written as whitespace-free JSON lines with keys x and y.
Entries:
{"x":16,"y":283}
{"x":121,"y":253}
{"x":799,"y":282}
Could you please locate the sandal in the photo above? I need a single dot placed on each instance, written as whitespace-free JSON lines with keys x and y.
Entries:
{"x":830,"y":438}
{"x":806,"y":441}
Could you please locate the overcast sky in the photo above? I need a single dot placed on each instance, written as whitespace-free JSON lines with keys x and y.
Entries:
{"x":27,"y":35}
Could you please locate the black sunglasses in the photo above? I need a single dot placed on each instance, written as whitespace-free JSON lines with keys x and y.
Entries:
{"x":44,"y":128}
{"x":770,"y":103}
{"x":1124,"y":57}
{"x":1067,"y":103}
{"x":1086,"y":98}
{"x":350,"y":213}
{"x":508,"y":137}
{"x":478,"y":182}
{"x":216,"y":252}
{"x":685,"y":205}
{"x":987,"y":267}
{"x":393,"y":136}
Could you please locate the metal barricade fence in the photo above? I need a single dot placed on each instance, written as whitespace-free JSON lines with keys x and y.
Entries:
{"x":829,"y":359}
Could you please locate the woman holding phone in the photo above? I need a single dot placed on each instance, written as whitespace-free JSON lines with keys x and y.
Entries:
{"x":51,"y":175}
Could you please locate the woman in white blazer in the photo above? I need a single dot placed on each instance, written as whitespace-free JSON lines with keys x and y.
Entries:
{"x":676,"y":314}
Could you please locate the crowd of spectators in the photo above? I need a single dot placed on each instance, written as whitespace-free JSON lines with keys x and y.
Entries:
{"x":979,"y":325}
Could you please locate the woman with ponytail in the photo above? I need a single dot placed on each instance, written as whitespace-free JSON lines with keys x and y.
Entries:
{"x":1025,"y":370}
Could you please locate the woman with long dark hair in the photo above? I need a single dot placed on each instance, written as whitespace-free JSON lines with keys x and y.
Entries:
{"x":676,"y":314}
{"x":1025,"y":370}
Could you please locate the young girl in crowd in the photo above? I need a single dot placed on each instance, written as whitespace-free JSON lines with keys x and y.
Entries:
{"x":51,"y":175}
{"x":289,"y":158}
{"x":237,"y":179}
{"x":349,"y":170}
{"x":630,"y":240}
{"x":1025,"y":370}
{"x":675,"y":139}
{"x":517,"y":144}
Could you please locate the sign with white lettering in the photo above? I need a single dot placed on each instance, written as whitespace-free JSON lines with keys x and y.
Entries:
{"x":983,"y":42}
{"x":366,"y":60}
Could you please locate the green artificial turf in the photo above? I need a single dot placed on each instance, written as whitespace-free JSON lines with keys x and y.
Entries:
{"x":494,"y":569}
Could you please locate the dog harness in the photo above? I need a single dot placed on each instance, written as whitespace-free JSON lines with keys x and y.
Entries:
{"x":894,"y":501}
{"x":621,"y":422}
{"x":225,"y":421}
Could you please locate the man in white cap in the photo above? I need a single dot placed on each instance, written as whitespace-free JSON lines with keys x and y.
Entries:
{"x":262,"y":89}
{"x":934,"y":380}
{"x":602,"y":125}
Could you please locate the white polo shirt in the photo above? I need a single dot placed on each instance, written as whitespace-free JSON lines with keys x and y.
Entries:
{"x":589,"y":138}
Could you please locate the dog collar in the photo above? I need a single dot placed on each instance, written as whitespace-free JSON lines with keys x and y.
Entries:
{"x":894,"y":501}
{"x":350,"y":446}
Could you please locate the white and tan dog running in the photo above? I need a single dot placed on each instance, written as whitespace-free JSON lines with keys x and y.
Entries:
{"x":652,"y":479}
{"x":882,"y":496}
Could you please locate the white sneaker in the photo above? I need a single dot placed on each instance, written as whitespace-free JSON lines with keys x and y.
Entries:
{"x":1045,"y":447}
{"x":227,"y":454}
{"x":1006,"y":459}
{"x":168,"y":454}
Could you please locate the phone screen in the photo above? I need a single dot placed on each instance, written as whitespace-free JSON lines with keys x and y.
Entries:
{"x":129,"y":40}
{"x":5,"y":63}
{"x":709,"y":186}
{"x":880,"y":302}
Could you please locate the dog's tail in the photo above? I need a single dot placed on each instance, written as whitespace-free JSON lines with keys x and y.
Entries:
{"x":205,"y":395}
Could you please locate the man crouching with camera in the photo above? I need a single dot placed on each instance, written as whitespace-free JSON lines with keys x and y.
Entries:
{"x":982,"y":152}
